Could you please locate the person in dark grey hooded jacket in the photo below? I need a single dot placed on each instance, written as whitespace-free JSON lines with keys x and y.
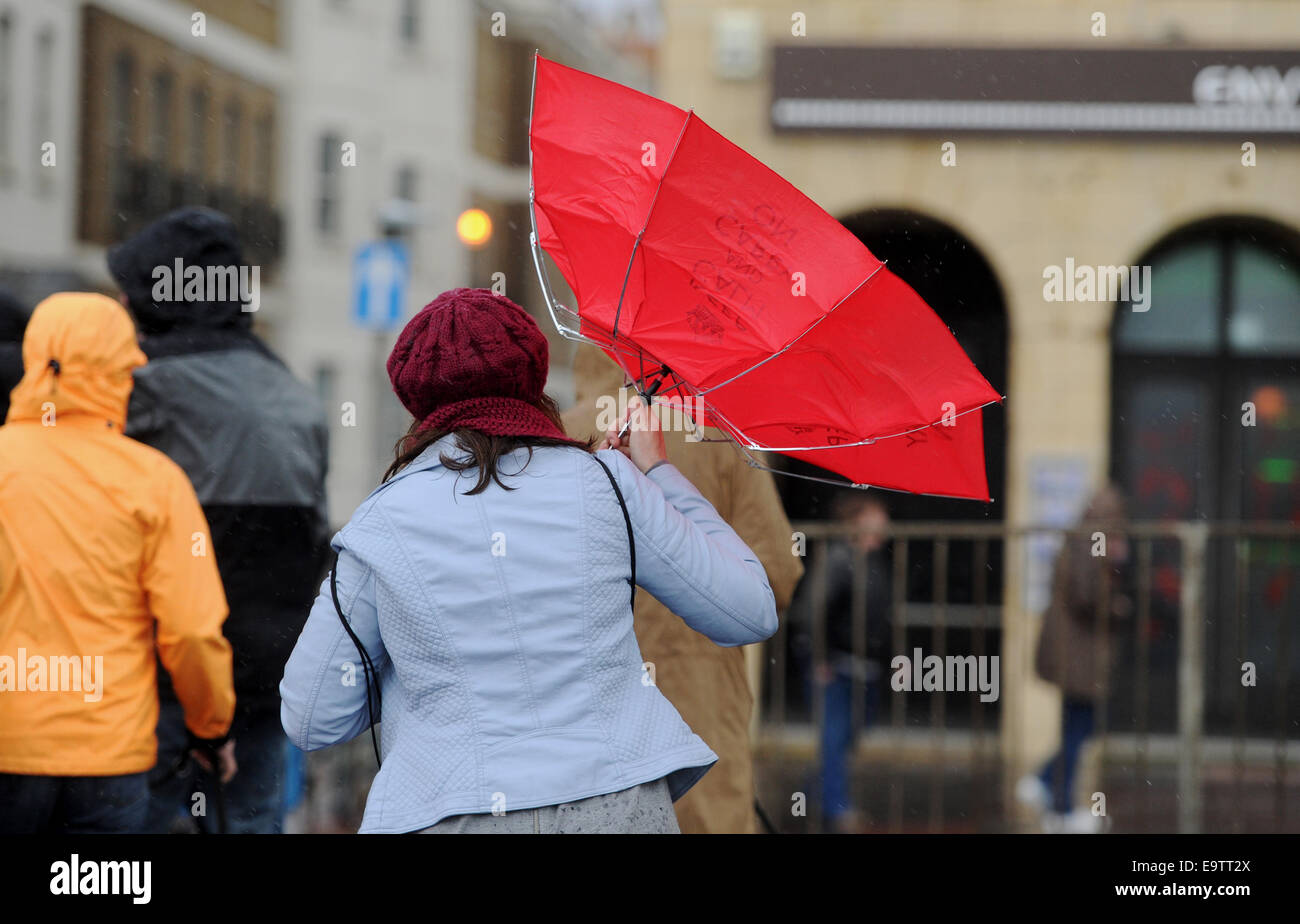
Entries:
{"x":254,"y":442}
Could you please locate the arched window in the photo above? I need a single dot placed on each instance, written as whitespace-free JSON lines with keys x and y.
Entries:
{"x":1207,"y":377}
{"x":1206,"y":426}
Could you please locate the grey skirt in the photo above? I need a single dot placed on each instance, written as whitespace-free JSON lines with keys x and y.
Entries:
{"x":643,"y":809}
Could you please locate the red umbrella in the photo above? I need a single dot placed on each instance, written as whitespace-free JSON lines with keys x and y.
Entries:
{"x":710,"y":279}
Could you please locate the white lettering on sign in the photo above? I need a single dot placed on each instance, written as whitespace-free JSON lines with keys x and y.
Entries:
{"x":1220,"y":85}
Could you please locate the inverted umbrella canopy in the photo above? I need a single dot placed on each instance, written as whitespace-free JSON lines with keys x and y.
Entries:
{"x":708,"y":278}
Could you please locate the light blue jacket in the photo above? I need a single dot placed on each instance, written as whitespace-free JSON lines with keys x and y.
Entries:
{"x":501,"y":629}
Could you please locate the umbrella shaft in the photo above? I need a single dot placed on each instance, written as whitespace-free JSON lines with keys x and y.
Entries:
{"x":647,"y":398}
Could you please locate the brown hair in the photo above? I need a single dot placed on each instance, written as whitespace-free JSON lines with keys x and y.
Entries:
{"x":483,"y":451}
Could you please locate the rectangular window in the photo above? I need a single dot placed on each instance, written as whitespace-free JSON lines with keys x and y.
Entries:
{"x":6,"y":88}
{"x":198,"y":133}
{"x":326,"y":384}
{"x":120,"y":118}
{"x":160,"y":127}
{"x":231,"y":141}
{"x":409,"y":22}
{"x":43,"y":110}
{"x":327,"y":199}
{"x":406,"y":183}
{"x":263,"y":156}
{"x":502,"y":67}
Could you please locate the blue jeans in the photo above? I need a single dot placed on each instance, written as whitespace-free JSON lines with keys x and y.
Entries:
{"x":1059,"y":772}
{"x":837,"y":738}
{"x":73,"y":804}
{"x":253,"y":799}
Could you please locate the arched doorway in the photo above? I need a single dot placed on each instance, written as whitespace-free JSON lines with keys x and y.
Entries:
{"x":1206,"y":426}
{"x":954,"y":279}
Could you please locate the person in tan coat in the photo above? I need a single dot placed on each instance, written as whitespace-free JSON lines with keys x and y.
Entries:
{"x":707,"y":684}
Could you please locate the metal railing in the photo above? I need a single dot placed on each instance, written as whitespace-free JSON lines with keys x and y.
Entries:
{"x":1201,"y":678}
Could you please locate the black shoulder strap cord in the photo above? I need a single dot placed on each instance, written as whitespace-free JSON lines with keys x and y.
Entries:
{"x":367,"y":665}
{"x":627,"y":519}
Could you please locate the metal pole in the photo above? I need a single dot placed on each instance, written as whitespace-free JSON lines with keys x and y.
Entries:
{"x":819,"y":657}
{"x":1191,"y":675}
{"x":379,"y":391}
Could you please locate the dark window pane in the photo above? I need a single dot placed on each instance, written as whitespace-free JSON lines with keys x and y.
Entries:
{"x":232,"y":127}
{"x":329,"y":153}
{"x":198,"y":131}
{"x":406,"y":184}
{"x":1183,"y":316}
{"x":1166,"y":447}
{"x":1265,"y":303}
{"x":161,"y":126}
{"x":409,"y":21}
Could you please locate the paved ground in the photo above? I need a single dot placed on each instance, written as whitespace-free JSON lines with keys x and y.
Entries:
{"x":964,"y":799}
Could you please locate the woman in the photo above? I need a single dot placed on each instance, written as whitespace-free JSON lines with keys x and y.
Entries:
{"x":487,"y":580}
{"x":1089,"y":603}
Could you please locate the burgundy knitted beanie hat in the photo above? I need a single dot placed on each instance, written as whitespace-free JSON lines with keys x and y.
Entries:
{"x":475,"y":360}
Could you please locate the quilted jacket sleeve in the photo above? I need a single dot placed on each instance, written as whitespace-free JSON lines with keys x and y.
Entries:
{"x":690,"y":559}
{"x":323,"y":692}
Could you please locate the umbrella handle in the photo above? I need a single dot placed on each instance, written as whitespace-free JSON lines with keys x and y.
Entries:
{"x":647,"y":397}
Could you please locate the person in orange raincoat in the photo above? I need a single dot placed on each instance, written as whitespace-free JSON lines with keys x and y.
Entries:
{"x":104,"y":559}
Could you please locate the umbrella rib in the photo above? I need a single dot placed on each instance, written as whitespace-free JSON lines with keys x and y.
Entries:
{"x":842,"y":483}
{"x":866,"y":442}
{"x":845,"y":483}
{"x":690,"y":114}
{"x":542,"y":276}
{"x":801,"y":335}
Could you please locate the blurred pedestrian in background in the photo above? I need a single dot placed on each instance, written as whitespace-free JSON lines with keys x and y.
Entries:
{"x":706,"y":683}
{"x":254,"y":442}
{"x":1090,"y":600}
{"x":97,"y":551}
{"x":13,"y":321}
{"x":838,"y":664}
{"x":488,"y":580}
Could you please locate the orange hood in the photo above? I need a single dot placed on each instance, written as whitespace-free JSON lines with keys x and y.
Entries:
{"x":79,"y":352}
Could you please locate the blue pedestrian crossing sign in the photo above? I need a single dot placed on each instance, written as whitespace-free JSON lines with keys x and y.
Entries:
{"x":380,"y":273}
